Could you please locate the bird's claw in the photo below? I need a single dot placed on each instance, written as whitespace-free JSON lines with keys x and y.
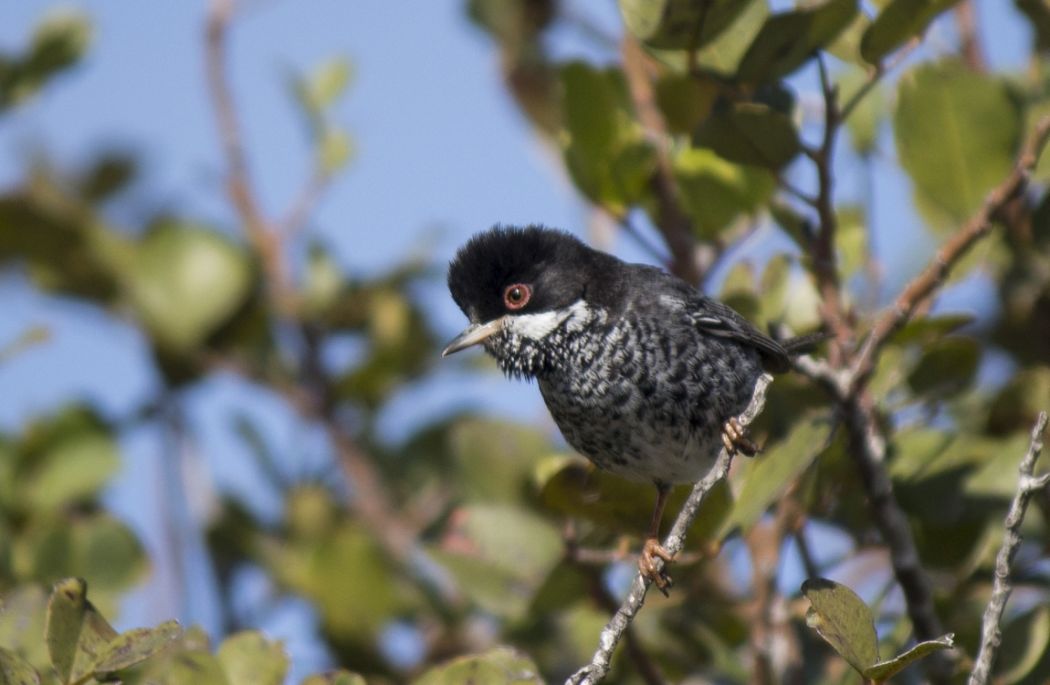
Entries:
{"x":735,"y":441}
{"x":651,"y":568}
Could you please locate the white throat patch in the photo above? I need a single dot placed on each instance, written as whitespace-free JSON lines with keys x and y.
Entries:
{"x":539,"y":325}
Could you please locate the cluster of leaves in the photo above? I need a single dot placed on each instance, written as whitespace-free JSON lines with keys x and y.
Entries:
{"x":475,"y":533}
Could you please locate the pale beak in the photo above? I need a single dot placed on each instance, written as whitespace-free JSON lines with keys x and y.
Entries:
{"x":474,"y":334}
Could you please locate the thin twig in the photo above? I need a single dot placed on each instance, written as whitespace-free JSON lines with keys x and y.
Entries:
{"x":1027,"y":485}
{"x":933,"y":276}
{"x":305,"y":202}
{"x":613,"y":632}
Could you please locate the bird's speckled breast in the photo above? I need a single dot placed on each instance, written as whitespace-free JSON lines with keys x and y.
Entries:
{"x":646,"y":399}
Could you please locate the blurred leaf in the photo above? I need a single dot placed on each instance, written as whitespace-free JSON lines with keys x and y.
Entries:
{"x":573,"y":487}
{"x":846,"y":46}
{"x":679,"y":24}
{"x":592,"y":98}
{"x":864,"y":121}
{"x":957,"y":132}
{"x":494,"y":459}
{"x":27,"y":339}
{"x":323,"y":283}
{"x":843,"y":620}
{"x":76,"y":634}
{"x":58,"y":43}
{"x":714,"y":192}
{"x":107,"y":175}
{"x":334,"y":150}
{"x":191,"y":667}
{"x":1038,"y":13}
{"x":946,"y":367}
{"x":931,"y":328}
{"x":335,"y":678}
{"x":851,"y":239}
{"x":501,"y":555}
{"x":327,"y":82}
{"x":498,"y":666}
{"x":73,"y":470}
{"x":1025,"y":641}
{"x":23,"y":614}
{"x":789,"y":39}
{"x":249,"y":659}
{"x":772,"y":472}
{"x":898,"y":22}
{"x":186,"y":281}
{"x":14,"y":670}
{"x":885,"y":670}
{"x":135,"y":646}
{"x":685,"y":100}
{"x":1019,"y":401}
{"x":750,"y":133}
{"x":997,"y":474}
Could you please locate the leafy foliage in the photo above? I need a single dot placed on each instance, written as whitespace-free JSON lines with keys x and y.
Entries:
{"x":500,"y":553}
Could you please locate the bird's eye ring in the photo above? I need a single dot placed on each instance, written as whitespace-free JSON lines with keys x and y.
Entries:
{"x":516,"y":296}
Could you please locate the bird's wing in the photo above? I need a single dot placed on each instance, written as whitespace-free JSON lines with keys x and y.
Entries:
{"x":715,"y":318}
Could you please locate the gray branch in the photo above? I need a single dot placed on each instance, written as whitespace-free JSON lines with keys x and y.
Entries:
{"x":614,"y":631}
{"x":1027,"y":485}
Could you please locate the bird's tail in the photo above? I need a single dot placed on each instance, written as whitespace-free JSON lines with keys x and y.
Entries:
{"x":805,"y":344}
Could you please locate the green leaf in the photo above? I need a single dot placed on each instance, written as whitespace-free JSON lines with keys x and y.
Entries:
{"x":1038,"y":13}
{"x":135,"y":646}
{"x":334,"y":150}
{"x":23,"y":614}
{"x":590,"y":103}
{"x":946,"y":367}
{"x":58,"y":43}
{"x":897,"y":23}
{"x":885,"y":670}
{"x":685,"y":100}
{"x":72,"y":471}
{"x":843,"y":620}
{"x":498,"y":666}
{"x":864,"y":121}
{"x":750,"y":133}
{"x":1017,"y":404}
{"x":1025,"y":641}
{"x":14,"y":670}
{"x":191,"y":667}
{"x":789,"y":39}
{"x":76,"y":634}
{"x":494,"y":459}
{"x":249,"y":659}
{"x":679,"y":24}
{"x":715,"y":192}
{"x":771,"y":472}
{"x":335,"y":678}
{"x":957,"y":133}
{"x":186,"y":281}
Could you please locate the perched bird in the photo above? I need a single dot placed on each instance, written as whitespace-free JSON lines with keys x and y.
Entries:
{"x":643,"y":375}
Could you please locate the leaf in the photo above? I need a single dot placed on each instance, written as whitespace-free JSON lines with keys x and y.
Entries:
{"x":715,"y":192}
{"x":72,"y":471}
{"x":789,"y":39}
{"x":494,"y":459}
{"x":58,"y":43}
{"x":249,"y":659}
{"x":751,"y":133}
{"x":957,"y":132}
{"x":135,"y":646}
{"x":897,"y":23}
{"x":864,"y":121}
{"x":946,"y":367}
{"x":498,"y":666}
{"x":685,"y":100}
{"x":23,"y":614}
{"x":1025,"y":640}
{"x":771,"y":472}
{"x":885,"y":670}
{"x":679,"y":24}
{"x":335,"y":678}
{"x":843,"y":620}
{"x":334,"y":150}
{"x":186,"y":281}
{"x":75,"y":632}
{"x":1038,"y":13}
{"x":14,"y":670}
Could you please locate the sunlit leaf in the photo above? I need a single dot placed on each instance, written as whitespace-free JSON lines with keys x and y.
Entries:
{"x":58,"y":43}
{"x":14,"y":670}
{"x":76,"y":634}
{"x":249,"y":659}
{"x":498,"y":666}
{"x":843,"y":620}
{"x":715,"y":192}
{"x":957,"y":132}
{"x":788,"y":39}
{"x":135,"y":646}
{"x":335,"y":678}
{"x":898,"y":22}
{"x":884,"y":670}
{"x":679,"y":24}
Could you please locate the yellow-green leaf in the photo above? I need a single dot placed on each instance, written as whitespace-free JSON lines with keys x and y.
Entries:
{"x":843,"y":620}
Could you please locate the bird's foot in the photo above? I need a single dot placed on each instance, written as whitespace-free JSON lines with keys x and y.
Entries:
{"x":735,"y":441}
{"x":651,"y":568}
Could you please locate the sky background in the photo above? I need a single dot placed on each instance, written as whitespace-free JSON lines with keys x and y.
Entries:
{"x":441,"y":152}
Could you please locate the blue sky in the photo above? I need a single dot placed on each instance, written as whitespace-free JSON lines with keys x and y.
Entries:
{"x":441,"y":152}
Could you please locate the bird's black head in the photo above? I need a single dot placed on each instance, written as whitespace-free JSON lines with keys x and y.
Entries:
{"x":524,"y":288}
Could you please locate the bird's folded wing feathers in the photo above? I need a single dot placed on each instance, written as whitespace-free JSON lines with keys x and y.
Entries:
{"x":715,"y":318}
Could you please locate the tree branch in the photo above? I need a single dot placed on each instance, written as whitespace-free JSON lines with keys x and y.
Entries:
{"x":923,"y":286}
{"x":1027,"y":485}
{"x":614,"y":631}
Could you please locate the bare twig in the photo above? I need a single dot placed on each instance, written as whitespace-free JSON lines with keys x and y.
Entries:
{"x":311,"y":192}
{"x":966,"y":21}
{"x":933,"y":276}
{"x":1027,"y":485}
{"x":613,"y":632}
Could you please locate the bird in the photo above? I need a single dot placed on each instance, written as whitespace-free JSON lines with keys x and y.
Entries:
{"x":642,"y":373}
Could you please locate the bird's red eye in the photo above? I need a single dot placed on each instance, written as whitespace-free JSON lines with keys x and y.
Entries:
{"x":516,"y":296}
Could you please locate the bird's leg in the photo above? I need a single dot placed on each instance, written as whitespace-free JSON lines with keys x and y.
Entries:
{"x":652,"y":549}
{"x":735,"y":441}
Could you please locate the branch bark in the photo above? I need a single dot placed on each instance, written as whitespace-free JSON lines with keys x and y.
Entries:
{"x":614,"y":631}
{"x":1027,"y":485}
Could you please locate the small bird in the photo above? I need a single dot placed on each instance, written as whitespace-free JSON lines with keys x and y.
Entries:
{"x":643,"y":375}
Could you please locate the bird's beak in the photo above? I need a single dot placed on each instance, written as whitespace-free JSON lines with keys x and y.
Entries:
{"x":474,"y":334}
